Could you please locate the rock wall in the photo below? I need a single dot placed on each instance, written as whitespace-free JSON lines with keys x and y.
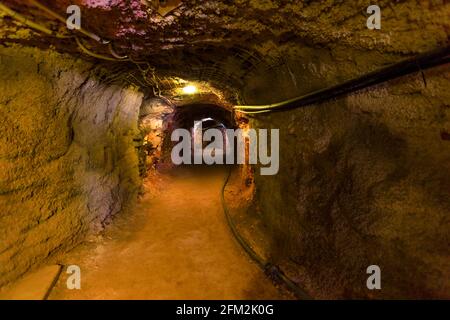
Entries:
{"x":68,"y":162}
{"x":364,"y":180}
{"x":153,"y":121}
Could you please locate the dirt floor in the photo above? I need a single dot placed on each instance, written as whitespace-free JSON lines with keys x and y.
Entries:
{"x":174,"y":245}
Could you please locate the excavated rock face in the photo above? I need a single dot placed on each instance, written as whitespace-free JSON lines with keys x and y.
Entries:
{"x":67,"y":156}
{"x":363,"y":180}
{"x":153,"y":123}
{"x":222,"y":42}
{"x":135,"y":25}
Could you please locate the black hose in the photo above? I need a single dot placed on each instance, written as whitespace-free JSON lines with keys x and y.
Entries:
{"x":418,"y":63}
{"x":270,"y":269}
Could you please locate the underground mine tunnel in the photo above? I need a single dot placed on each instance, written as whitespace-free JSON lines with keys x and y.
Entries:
{"x":95,"y":96}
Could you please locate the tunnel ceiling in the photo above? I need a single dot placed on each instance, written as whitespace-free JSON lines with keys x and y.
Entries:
{"x":221,"y":41}
{"x":138,"y":27}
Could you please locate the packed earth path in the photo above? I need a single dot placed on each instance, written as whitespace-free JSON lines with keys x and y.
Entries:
{"x":175,"y":244}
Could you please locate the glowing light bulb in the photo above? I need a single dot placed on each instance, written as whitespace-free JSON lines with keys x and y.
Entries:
{"x":190,"y":89}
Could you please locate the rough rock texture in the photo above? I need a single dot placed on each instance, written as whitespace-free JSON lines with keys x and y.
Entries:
{"x":222,"y":42}
{"x":67,"y":158}
{"x":363,"y":180}
{"x":136,"y":26}
{"x":153,"y":125}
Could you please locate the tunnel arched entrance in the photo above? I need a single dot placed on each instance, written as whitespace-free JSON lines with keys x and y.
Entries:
{"x":185,"y":115}
{"x":197,"y":118}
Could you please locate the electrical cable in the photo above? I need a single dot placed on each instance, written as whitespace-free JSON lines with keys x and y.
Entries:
{"x":253,"y":112}
{"x":114,"y":55}
{"x":64,"y":20}
{"x":29,"y":23}
{"x":415,"y":64}
{"x":418,"y":63}
{"x":93,"y":54}
{"x":269,"y":268}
